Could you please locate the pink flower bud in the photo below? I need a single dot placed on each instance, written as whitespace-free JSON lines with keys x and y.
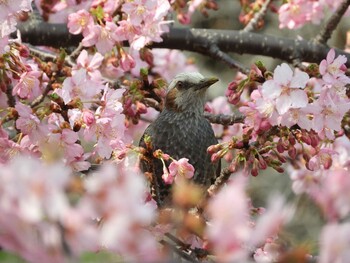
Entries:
{"x":126,"y":61}
{"x":292,"y":152}
{"x":168,"y":179}
{"x":184,"y":19}
{"x":88,"y":117}
{"x":280,"y":147}
{"x":214,"y":148}
{"x":262,"y":162}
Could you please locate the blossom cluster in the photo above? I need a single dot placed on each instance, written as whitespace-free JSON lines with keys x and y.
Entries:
{"x":41,"y":223}
{"x":296,"y":13}
{"x":284,"y":100}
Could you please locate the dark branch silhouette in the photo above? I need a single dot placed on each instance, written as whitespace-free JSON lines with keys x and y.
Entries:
{"x":197,"y":40}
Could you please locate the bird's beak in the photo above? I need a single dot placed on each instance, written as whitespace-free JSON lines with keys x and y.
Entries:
{"x":206,"y":83}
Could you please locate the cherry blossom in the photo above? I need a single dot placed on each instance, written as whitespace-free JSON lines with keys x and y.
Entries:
{"x":103,"y":37}
{"x":228,"y":228}
{"x":123,"y":228}
{"x":28,"y":86}
{"x":79,"y":22}
{"x":90,"y":63}
{"x":79,"y":86}
{"x":168,"y":63}
{"x":333,"y":69}
{"x":332,"y":194}
{"x":335,"y":243}
{"x":139,"y":10}
{"x":329,"y":110}
{"x":30,"y":124}
{"x":181,"y":168}
{"x":295,"y":13}
{"x":286,"y":88}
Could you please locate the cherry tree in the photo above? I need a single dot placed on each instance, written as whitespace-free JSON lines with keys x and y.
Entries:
{"x":80,"y":81}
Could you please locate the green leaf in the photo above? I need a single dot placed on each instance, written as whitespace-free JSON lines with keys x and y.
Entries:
{"x":7,"y":257}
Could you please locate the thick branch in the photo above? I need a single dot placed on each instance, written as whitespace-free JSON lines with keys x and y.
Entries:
{"x":197,"y":40}
{"x":332,"y":23}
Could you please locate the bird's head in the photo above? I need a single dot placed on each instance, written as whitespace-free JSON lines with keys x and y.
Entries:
{"x":186,"y":92}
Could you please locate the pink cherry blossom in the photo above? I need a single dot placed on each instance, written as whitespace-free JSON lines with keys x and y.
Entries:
{"x":11,"y":7}
{"x":333,"y":69}
{"x":253,"y":117}
{"x":126,"y":61}
{"x":126,"y":31}
{"x":123,"y":229}
{"x":332,"y":194}
{"x":166,"y":176}
{"x":295,"y":13}
{"x":4,"y":41}
{"x":228,"y":229}
{"x":303,"y":180}
{"x":90,"y":63}
{"x":79,"y":22}
{"x":168,"y":63}
{"x":106,"y":129}
{"x":268,"y":253}
{"x":323,"y":157}
{"x":103,"y":37}
{"x":151,"y":31}
{"x":268,"y":225}
{"x":8,"y":149}
{"x":335,"y":243}
{"x":298,"y":116}
{"x":79,"y":86}
{"x":109,"y":6}
{"x":139,"y":10}
{"x":30,"y":124}
{"x":181,"y":168}
{"x":329,"y":110}
{"x":286,"y":89}
{"x":31,"y":202}
{"x":65,"y":148}
{"x":28,"y":86}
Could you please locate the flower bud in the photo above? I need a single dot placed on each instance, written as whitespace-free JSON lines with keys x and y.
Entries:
{"x":291,"y":139}
{"x":214,"y":148}
{"x":280,"y":147}
{"x":292,"y":152}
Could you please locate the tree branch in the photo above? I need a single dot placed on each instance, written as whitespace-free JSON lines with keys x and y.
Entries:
{"x":41,"y":97}
{"x":196,"y":40}
{"x":219,"y":181}
{"x":215,"y":52}
{"x":224,"y":119}
{"x":332,"y":23}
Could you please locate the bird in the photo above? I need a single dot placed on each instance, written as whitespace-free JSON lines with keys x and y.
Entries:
{"x":181,"y":131}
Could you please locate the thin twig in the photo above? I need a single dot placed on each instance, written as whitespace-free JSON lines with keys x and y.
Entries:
{"x":42,"y":96}
{"x":215,"y":52}
{"x":179,"y":251}
{"x":258,"y":16}
{"x":224,"y":119}
{"x":219,"y":181}
{"x":72,"y":56}
{"x":197,"y":252}
{"x":332,"y":23}
{"x":43,"y":55}
{"x":11,"y":101}
{"x":153,"y":103}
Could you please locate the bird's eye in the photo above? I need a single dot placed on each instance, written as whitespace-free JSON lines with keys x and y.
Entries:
{"x":180,"y":84}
